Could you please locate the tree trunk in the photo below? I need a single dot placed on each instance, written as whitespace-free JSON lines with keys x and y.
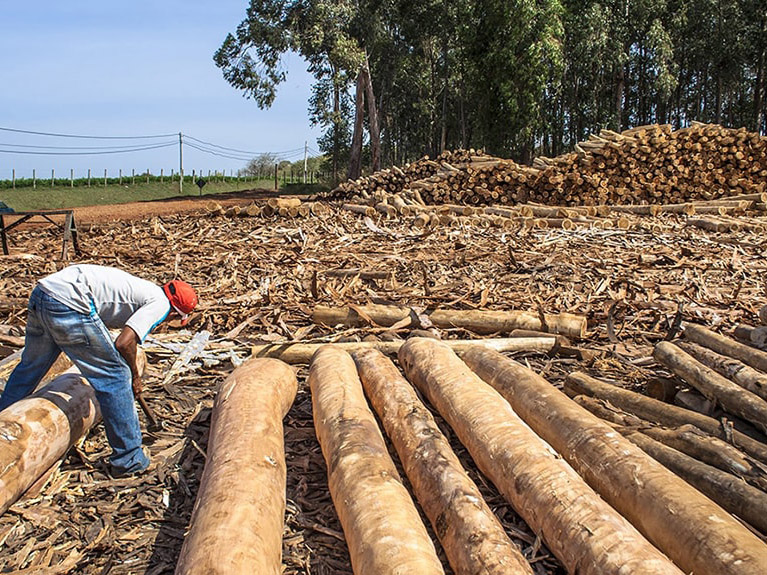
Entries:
{"x":726,"y":346}
{"x":355,"y":156}
{"x":688,"y":439}
{"x":578,"y":526}
{"x":38,"y":430}
{"x":745,"y":376}
{"x":696,"y":534}
{"x":375,"y":135}
{"x":382,"y":527}
{"x":732,"y":493}
{"x":467,"y":528}
{"x":237,"y":524}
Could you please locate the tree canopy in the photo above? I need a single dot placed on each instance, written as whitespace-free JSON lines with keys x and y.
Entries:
{"x":517,"y":78}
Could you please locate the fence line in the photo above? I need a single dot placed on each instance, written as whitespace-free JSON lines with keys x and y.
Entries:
{"x":284,"y":175}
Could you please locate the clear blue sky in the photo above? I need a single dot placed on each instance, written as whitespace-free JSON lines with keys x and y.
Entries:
{"x":105,"y":68}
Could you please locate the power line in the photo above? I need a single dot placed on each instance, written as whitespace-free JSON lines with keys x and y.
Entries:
{"x":87,"y":148}
{"x":29,"y":152}
{"x":242,"y":151}
{"x":86,"y":137}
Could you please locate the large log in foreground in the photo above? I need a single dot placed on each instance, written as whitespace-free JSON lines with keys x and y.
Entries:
{"x":237,"y":523}
{"x":381,"y":524}
{"x":38,"y":430}
{"x":299,"y":353}
{"x":471,"y":535}
{"x":729,"y":395}
{"x":697,"y":534}
{"x":479,"y":321}
{"x":579,"y":383}
{"x":587,"y":535}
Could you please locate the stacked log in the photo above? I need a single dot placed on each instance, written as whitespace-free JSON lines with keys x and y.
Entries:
{"x":644,"y":165}
{"x":678,"y":519}
{"x":579,"y":527}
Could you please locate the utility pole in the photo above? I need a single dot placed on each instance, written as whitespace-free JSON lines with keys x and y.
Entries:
{"x":305,"y":152}
{"x":180,"y":163}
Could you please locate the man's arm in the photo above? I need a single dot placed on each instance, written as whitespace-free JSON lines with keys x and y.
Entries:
{"x":126,"y":344}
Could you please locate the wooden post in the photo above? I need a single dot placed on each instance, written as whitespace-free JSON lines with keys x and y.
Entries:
{"x":276,"y":186}
{"x":71,"y":178}
{"x":133,"y":176}
{"x":14,"y":178}
{"x":121,"y":176}
{"x":89,"y":177}
{"x":147,"y":175}
{"x":105,"y":177}
{"x":34,"y":180}
{"x":162,"y":178}
{"x":53,"y":177}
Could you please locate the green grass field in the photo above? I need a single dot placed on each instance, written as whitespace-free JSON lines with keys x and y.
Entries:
{"x":45,"y":197}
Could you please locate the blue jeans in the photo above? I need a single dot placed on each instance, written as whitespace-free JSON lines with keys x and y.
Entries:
{"x":52,"y":327}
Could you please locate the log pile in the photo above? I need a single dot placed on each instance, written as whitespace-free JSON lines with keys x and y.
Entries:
{"x":644,"y":165}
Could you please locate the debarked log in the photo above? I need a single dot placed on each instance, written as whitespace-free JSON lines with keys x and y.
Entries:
{"x":35,"y":432}
{"x":732,"y":493}
{"x":382,"y":527}
{"x":726,"y":393}
{"x":300,"y":353}
{"x":726,"y":346}
{"x":745,"y":376}
{"x":587,"y":535}
{"x":579,"y":383}
{"x":38,"y":430}
{"x":697,"y":534}
{"x":477,"y":321}
{"x":687,"y":438}
{"x":464,"y":523}
{"x":237,"y":523}
{"x":487,"y":322}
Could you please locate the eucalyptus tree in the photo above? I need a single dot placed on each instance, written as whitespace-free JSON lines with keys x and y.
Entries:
{"x":327,"y":34}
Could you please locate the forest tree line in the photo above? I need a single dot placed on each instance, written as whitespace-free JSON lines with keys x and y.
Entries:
{"x":517,"y":78}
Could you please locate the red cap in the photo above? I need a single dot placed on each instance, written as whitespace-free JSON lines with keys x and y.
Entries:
{"x":182,"y":297}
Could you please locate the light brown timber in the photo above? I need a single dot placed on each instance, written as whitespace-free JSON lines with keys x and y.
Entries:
{"x":730,"y":492}
{"x":713,"y":386}
{"x":688,"y":439}
{"x":726,"y":346}
{"x":382,"y":527}
{"x":579,"y":383}
{"x":300,"y":353}
{"x":698,"y":535}
{"x":473,"y":539}
{"x":581,"y":529}
{"x":237,"y":523}
{"x":745,"y":376}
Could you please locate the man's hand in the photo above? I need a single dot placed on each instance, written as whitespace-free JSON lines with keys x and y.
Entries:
{"x":138,"y":386}
{"x":126,"y":344}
